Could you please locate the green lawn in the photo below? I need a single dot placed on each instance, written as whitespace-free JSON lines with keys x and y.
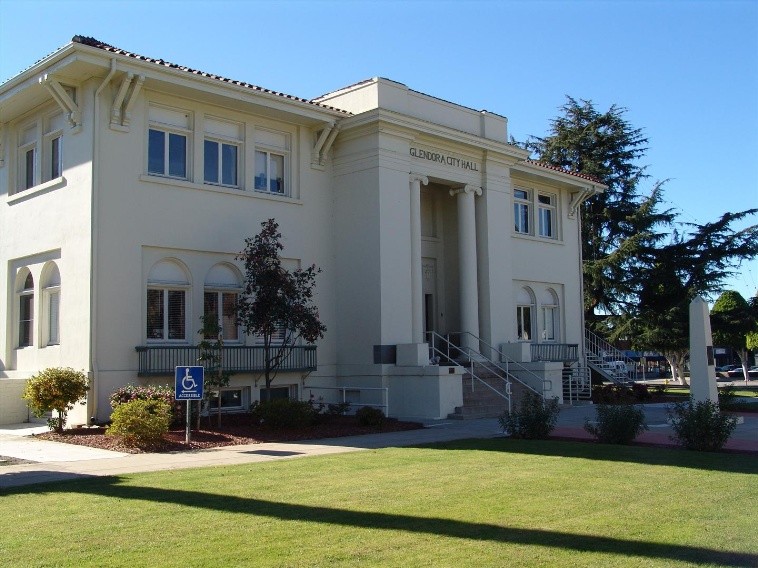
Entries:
{"x":472,"y":503}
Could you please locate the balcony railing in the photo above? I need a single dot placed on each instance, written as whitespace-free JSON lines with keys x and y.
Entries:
{"x":159,"y":360}
{"x":555,"y":352}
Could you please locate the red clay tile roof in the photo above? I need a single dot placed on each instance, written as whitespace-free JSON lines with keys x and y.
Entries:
{"x":92,"y":42}
{"x":563,"y":171}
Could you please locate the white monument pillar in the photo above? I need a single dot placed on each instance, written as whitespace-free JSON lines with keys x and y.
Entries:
{"x":702,"y":366}
{"x":467,"y":265}
{"x":417,"y":309}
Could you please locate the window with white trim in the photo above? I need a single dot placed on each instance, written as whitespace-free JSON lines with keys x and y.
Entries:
{"x":550,"y":314}
{"x":168,"y":142}
{"x":166,"y":311}
{"x":232,"y":399}
{"x":27,"y":157}
{"x":222,"y":287}
{"x":271,"y":162}
{"x":51,"y":298}
{"x":546,"y":212}
{"x":26,"y":309}
{"x":524,"y":312}
{"x":221,"y":152}
{"x":522,"y":211}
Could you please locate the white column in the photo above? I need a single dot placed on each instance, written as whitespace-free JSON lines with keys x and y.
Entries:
{"x":417,"y":326}
{"x":467,"y":265}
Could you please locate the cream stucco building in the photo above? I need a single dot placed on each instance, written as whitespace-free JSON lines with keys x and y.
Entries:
{"x":128,"y":184}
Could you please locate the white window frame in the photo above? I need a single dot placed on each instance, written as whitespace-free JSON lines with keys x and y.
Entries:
{"x":46,"y":138}
{"x":268,"y":153}
{"x":244,"y":400}
{"x":28,"y":174}
{"x":51,"y":296}
{"x":220,"y":143}
{"x":168,"y":129}
{"x":27,"y":296}
{"x":522,"y":201}
{"x":520,"y":310}
{"x":545,"y":335}
{"x":220,"y":292}
{"x":548,"y":211}
{"x":165,"y":329}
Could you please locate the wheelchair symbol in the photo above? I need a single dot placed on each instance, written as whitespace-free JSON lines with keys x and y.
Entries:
{"x":188,"y":383}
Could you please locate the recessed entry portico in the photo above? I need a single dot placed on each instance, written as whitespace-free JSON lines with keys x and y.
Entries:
{"x":445,"y":297}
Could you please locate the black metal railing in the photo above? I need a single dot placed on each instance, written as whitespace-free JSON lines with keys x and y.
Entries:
{"x":158,"y":360}
{"x":555,"y":352}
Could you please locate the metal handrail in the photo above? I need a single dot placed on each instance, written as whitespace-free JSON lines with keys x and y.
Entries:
{"x":603,"y":351}
{"x":547,"y":384}
{"x":467,"y":353}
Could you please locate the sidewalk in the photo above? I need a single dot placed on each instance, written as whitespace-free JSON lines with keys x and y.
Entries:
{"x":53,"y":461}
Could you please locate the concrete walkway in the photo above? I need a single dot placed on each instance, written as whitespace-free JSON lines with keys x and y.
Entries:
{"x":53,"y":461}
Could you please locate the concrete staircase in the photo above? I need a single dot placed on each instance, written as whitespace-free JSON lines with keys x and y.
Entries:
{"x":482,"y":400}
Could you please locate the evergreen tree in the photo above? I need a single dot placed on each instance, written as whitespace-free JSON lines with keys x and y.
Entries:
{"x":617,"y":223}
{"x":733,"y":320}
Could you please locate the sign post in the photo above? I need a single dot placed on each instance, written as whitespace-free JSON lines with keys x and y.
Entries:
{"x":188,"y":383}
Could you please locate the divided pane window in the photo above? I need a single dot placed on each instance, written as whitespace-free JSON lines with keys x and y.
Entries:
{"x":521,"y":211}
{"x":166,"y":314}
{"x":167,"y":154}
{"x":524,"y":319}
{"x":54,"y":301}
{"x":55,"y":157}
{"x":26,"y":313}
{"x":220,"y":163}
{"x":29,"y":160}
{"x":226,"y":315}
{"x":546,"y":204}
{"x":269,"y":172}
{"x":549,"y":320}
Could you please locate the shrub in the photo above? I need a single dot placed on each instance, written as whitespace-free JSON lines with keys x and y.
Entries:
{"x":56,"y":389}
{"x":370,"y":416}
{"x":534,"y":420}
{"x":140,"y":422}
{"x":617,"y":424}
{"x":640,"y":392}
{"x":283,"y":413}
{"x":700,"y":425}
{"x":727,"y":396}
{"x":163,"y":393}
{"x":339,"y":409}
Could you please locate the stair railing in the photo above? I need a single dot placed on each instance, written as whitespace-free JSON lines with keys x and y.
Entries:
{"x":600,"y":352}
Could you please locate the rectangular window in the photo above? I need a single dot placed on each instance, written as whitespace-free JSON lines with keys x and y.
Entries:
{"x":166,"y":314}
{"x":227,"y":319}
{"x":549,"y":332}
{"x":25,"y":320}
{"x":231,"y":399}
{"x":53,"y":333}
{"x":524,"y":319}
{"x":220,"y":163}
{"x":269,"y":172}
{"x":29,"y":161}
{"x":55,"y":158}
{"x":168,"y":142}
{"x":546,"y":212}
{"x":521,"y":211}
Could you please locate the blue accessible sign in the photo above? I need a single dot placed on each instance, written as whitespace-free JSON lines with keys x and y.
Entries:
{"x":188,"y":381}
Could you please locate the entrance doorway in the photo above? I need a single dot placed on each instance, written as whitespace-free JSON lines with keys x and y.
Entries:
{"x":429,"y":289}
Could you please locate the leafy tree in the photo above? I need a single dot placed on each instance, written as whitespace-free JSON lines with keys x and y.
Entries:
{"x":617,"y":222}
{"x":692,"y":263}
{"x":732,"y":320}
{"x":55,"y":389}
{"x":276,"y":303}
{"x":212,"y":357}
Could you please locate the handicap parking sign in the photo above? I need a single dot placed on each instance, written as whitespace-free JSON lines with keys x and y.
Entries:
{"x":188,"y":381}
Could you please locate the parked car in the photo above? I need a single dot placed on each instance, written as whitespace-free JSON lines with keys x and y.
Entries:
{"x":737,"y":373}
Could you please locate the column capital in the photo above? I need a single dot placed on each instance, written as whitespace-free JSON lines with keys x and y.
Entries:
{"x":469,"y":189}
{"x":419,"y":178}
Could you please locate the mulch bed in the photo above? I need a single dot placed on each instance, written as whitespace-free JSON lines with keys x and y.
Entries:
{"x":236,"y":429}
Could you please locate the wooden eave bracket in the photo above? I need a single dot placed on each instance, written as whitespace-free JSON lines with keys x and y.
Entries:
{"x":121,"y":110}
{"x":324,"y":144}
{"x":62,"y":98}
{"x":577,"y":198}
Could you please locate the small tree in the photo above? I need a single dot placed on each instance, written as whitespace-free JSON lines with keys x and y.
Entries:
{"x":212,"y":357}
{"x":733,"y":319}
{"x":55,"y":389}
{"x":276,"y":304}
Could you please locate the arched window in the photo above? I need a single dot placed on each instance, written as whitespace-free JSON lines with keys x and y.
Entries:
{"x":51,"y":298}
{"x":167,"y":286}
{"x":222,"y":286}
{"x":524,"y":314}
{"x":549,"y":316}
{"x":25,"y":291}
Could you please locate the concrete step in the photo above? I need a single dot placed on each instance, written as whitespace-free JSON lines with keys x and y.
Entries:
{"x":471,"y":413}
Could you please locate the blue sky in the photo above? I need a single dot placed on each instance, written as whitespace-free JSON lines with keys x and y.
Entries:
{"x":686,"y":71}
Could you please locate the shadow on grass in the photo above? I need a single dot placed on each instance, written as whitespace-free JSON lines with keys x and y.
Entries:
{"x":111,"y":488}
{"x":673,"y":457}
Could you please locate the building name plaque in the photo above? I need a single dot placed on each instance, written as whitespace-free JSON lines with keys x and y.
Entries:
{"x":446,"y":159}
